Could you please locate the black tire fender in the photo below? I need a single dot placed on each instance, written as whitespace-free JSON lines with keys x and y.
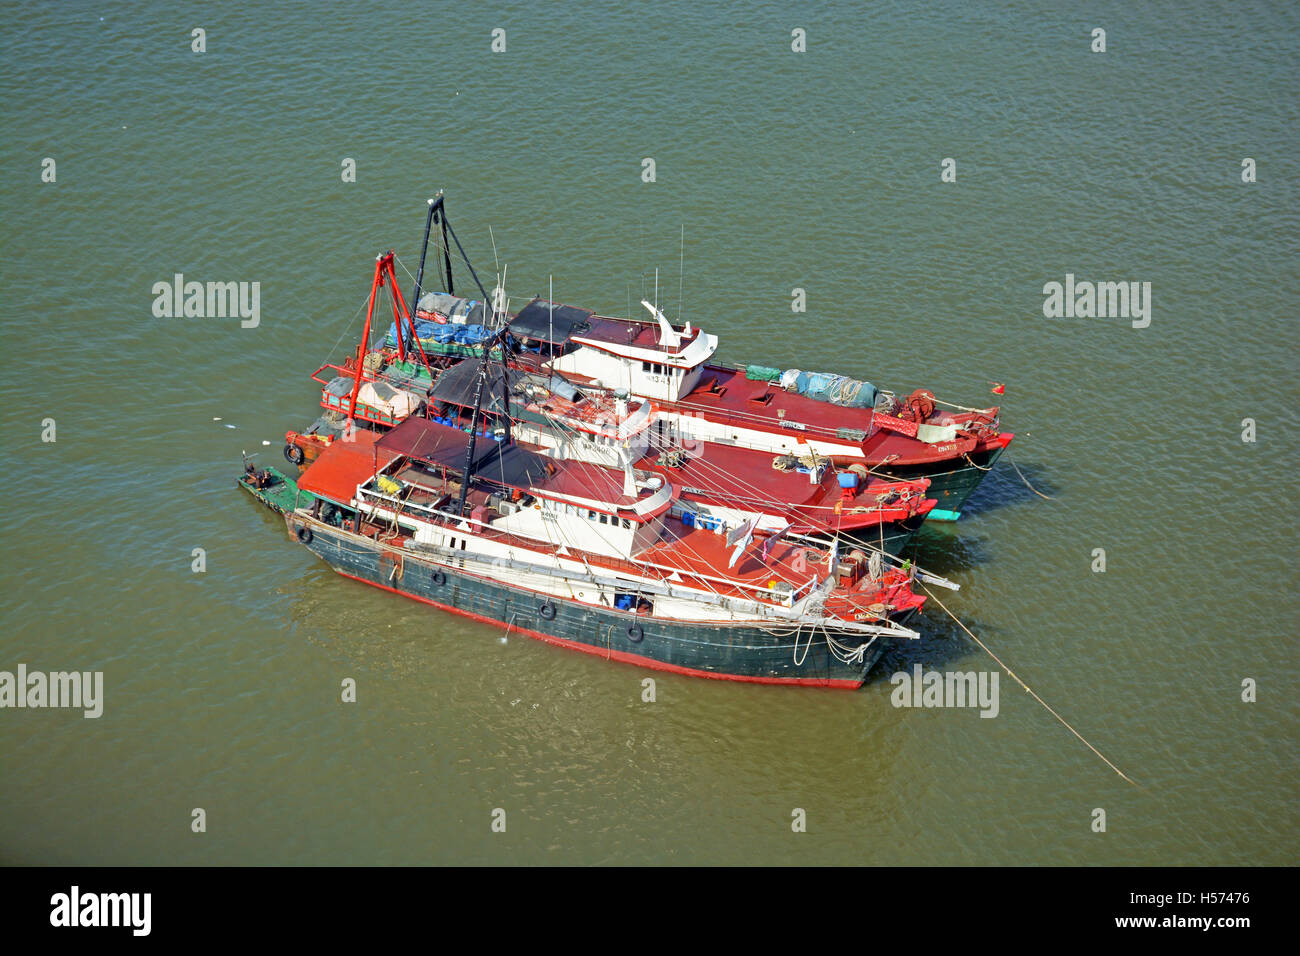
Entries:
{"x":635,"y":633}
{"x":293,"y":454}
{"x":547,"y":611}
{"x":438,"y":578}
{"x":304,"y":534}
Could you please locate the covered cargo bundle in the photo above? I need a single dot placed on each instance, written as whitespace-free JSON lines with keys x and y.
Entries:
{"x":472,"y":334}
{"x":442,"y":338}
{"x":427,"y":331}
{"x":828,"y":387}
{"x":441,"y":307}
{"x":762,"y":373}
{"x":391,"y":401}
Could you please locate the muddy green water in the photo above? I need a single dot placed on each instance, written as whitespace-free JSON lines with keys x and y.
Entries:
{"x":818,"y":170}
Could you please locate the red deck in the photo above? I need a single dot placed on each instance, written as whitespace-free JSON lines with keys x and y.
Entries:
{"x":744,"y":478}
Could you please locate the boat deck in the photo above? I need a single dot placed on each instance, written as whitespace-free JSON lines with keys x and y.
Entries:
{"x":282,"y":495}
{"x":728,"y":392}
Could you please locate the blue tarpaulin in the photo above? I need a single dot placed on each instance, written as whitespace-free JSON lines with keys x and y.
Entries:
{"x":836,"y":389}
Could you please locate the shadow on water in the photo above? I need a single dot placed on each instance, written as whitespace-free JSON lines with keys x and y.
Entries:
{"x":1004,"y":487}
{"x":942,"y":548}
{"x":942,"y":643}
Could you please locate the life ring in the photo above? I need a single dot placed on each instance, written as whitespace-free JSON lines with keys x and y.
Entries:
{"x":439,"y":579}
{"x":634,"y":633}
{"x":293,"y":454}
{"x":304,"y":534}
{"x":547,"y":611}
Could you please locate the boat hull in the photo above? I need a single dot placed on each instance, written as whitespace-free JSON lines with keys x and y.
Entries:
{"x":741,"y":652}
{"x":892,"y":537}
{"x":951,"y":482}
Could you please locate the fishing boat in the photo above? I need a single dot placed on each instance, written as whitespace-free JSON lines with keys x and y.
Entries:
{"x":587,"y":557}
{"x":791,"y":412}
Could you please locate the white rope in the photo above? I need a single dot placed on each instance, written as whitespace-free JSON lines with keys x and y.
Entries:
{"x":1012,"y":675}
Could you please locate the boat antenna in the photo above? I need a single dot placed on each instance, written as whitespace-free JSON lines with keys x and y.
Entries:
{"x":681,"y":267}
{"x":656,"y":290}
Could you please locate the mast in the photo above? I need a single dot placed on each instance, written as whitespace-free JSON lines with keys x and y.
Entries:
{"x":434,"y":205}
{"x":447,"y":230}
{"x":365,"y":340}
{"x":400,"y":312}
{"x":505,"y":370}
{"x":467,"y":473}
{"x":446,"y":249}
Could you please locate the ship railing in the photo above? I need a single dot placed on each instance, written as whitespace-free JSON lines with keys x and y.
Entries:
{"x":641,"y":586}
{"x":363,"y":494}
{"x":798,"y":605}
{"x":664,"y":589}
{"x":760,"y":589}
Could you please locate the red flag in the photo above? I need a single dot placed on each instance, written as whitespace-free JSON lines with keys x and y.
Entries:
{"x":998,"y":388}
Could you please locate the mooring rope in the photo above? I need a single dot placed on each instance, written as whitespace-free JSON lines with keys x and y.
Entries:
{"x":798,"y":661}
{"x":1026,"y":480}
{"x":1028,"y":690}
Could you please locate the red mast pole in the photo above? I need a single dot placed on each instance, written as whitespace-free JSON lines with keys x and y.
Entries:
{"x":365,"y":341}
{"x":386,"y":263}
{"x":399,"y":299}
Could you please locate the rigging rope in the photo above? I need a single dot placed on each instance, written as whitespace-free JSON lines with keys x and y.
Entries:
{"x":1012,"y":675}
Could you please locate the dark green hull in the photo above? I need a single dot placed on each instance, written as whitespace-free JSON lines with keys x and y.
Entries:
{"x":743,"y":651}
{"x":950,"y":486}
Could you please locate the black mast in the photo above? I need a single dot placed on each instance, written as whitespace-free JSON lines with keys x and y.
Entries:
{"x":434,"y":206}
{"x":446,"y":252}
{"x":467,"y":473}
